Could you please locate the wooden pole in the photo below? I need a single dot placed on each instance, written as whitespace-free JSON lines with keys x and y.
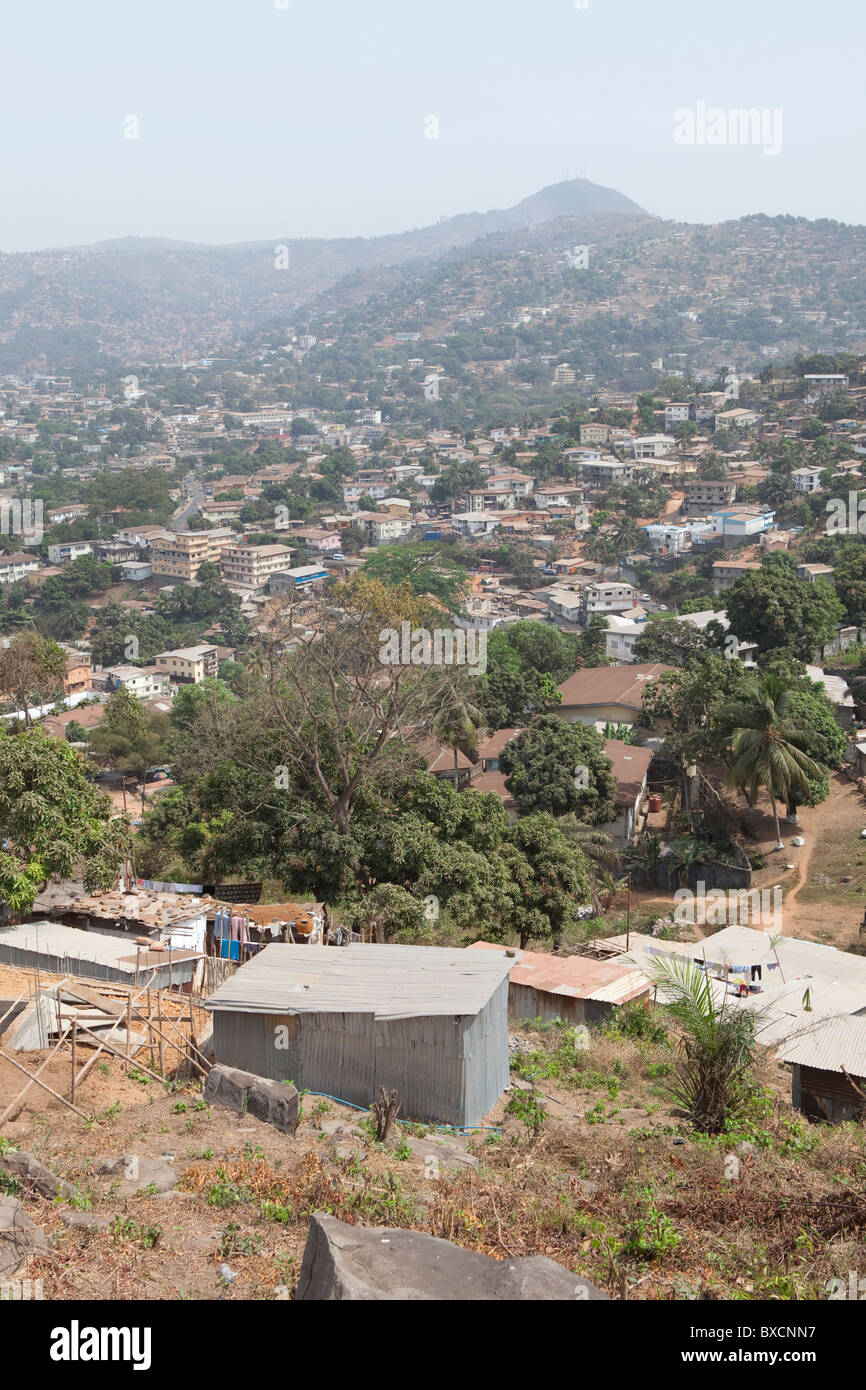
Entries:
{"x":45,"y":1087}
{"x":74,"y":1040}
{"x":111,"y":990}
{"x":185,"y":1042}
{"x":159,"y":1030}
{"x":117,"y":1053}
{"x":628,"y":913}
{"x":21,"y":1094}
{"x":150,"y":1028}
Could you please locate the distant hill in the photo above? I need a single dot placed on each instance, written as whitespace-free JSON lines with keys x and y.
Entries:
{"x":154,"y":299}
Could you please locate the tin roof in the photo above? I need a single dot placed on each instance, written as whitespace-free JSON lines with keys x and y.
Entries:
{"x":493,"y":746}
{"x":734,"y":945}
{"x":53,"y":939}
{"x":630,"y":767}
{"x":387,"y":981}
{"x":150,"y":909}
{"x":833,"y":1044}
{"x":577,"y":977}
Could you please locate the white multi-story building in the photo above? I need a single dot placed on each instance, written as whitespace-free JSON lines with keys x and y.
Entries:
{"x":251,"y":566}
{"x":807,"y":479}
{"x":383,"y":527}
{"x":611,"y":596}
{"x":677,"y":413}
{"x":15,"y":567}
{"x":142,"y":681}
{"x":652,"y":446}
{"x":474,"y":523}
{"x":499,"y":497}
{"x":69,"y":550}
{"x":673,"y":540}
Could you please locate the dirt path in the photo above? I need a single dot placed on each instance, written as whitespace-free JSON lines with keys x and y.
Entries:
{"x":843,"y":812}
{"x":842,"y":815}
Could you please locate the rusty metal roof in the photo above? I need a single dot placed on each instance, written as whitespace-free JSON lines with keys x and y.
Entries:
{"x":151,"y":910}
{"x":577,"y":977}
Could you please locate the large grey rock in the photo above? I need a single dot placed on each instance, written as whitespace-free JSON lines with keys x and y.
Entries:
{"x":19,"y":1237}
{"x":154,"y":1175}
{"x":33,"y":1175}
{"x":379,"y":1264}
{"x":228,"y":1087}
{"x":271,"y":1101}
{"x":124,"y":1166}
{"x":439,"y":1156}
{"x":274,"y":1103}
{"x":339,"y":1129}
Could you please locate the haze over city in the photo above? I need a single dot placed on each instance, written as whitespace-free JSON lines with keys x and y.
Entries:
{"x":256,"y":121}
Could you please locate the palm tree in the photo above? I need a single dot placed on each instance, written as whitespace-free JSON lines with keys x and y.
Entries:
{"x":457,"y":728}
{"x":684,"y":854}
{"x":713,"y":1078}
{"x":767,"y":746}
{"x":590,"y":841}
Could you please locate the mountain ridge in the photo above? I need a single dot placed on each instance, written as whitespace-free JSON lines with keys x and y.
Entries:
{"x":568,"y":198}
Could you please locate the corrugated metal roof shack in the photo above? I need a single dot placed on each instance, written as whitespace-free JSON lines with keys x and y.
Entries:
{"x":431,"y":1022}
{"x":575,"y":989}
{"x":61,"y":950}
{"x":828,"y":1069}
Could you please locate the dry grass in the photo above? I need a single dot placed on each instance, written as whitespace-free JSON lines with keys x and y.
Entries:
{"x":615,"y":1186}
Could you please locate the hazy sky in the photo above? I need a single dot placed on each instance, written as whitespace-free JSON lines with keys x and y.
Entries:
{"x":258,"y":122}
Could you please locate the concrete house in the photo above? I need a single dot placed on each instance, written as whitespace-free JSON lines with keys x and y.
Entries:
{"x":602,"y":695}
{"x":189,"y":665}
{"x":705,"y":495}
{"x":606,"y":596}
{"x":807,"y":479}
{"x":727,"y":572}
{"x":631,"y":765}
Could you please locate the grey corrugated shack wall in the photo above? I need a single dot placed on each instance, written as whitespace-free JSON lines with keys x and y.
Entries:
{"x":447,"y":1068}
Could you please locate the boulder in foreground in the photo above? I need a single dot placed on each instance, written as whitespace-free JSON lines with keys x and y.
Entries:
{"x":271,"y":1101}
{"x":376,"y":1263}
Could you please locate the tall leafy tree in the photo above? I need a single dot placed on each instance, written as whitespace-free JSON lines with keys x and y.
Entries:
{"x":560,"y":768}
{"x":775,"y":609}
{"x":55,"y":822}
{"x":31,"y":666}
{"x":428,"y":569}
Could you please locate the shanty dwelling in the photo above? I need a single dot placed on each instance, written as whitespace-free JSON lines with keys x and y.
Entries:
{"x":430,"y":1022}
{"x":828,"y":1063}
{"x":304,"y":923}
{"x":575,"y":989}
{"x":61,"y":950}
{"x":178,"y":918}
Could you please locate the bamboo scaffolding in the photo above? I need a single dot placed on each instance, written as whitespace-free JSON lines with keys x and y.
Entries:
{"x":45,"y":1087}
{"x":21,"y":1094}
